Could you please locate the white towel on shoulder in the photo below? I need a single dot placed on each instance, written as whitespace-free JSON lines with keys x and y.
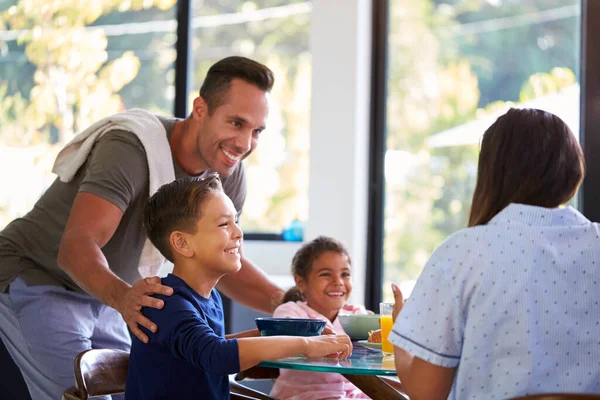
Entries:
{"x":151,"y":132}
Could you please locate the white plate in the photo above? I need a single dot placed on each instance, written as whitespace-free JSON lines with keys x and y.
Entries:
{"x":369,"y":345}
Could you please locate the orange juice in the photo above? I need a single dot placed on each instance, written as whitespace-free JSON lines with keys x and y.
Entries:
{"x":386,"y":328}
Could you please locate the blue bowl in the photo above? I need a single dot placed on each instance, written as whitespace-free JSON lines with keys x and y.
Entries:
{"x":290,"y":326}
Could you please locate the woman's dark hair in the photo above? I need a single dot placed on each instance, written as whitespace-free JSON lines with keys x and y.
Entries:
{"x":304,"y":258}
{"x":218,"y":79}
{"x":527,"y":156}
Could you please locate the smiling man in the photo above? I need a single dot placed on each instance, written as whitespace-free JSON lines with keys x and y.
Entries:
{"x":69,"y":268}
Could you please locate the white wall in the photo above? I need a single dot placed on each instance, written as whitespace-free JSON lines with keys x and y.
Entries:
{"x":339,"y":141}
{"x":339,"y":145}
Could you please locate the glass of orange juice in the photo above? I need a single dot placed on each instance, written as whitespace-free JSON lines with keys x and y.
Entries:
{"x":385,"y":319}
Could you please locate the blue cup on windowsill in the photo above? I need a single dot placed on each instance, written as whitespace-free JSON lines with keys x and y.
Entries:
{"x":294,"y":232}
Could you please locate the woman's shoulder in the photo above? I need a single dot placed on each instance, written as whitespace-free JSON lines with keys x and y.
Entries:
{"x":463,"y":240}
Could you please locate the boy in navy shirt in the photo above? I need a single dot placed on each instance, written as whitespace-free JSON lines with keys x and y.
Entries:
{"x":193,"y":224}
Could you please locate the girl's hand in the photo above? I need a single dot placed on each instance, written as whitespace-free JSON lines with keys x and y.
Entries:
{"x":398,"y":301}
{"x":322,"y":346}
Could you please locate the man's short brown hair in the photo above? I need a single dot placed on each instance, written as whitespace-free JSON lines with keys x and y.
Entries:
{"x":216,"y":85}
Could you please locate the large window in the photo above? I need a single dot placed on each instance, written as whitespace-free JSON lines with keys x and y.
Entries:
{"x":276,"y":33}
{"x":70,"y":63}
{"x":64,"y":64}
{"x":454,"y":67}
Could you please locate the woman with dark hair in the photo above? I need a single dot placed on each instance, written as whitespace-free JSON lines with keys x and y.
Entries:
{"x":528,"y":157}
{"x":509,"y":306}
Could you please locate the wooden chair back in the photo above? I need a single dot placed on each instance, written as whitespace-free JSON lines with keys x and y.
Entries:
{"x":98,"y":372}
{"x":104,"y":371}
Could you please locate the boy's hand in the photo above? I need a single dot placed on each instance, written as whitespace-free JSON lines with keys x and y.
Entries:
{"x":130,"y":302}
{"x":321,"y":346}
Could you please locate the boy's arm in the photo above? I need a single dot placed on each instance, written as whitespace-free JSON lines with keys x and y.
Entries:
{"x":244,"y":334}
{"x":187,"y":335}
{"x":254,"y":350}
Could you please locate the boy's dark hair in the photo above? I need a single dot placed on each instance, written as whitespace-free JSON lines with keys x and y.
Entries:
{"x":527,"y":156}
{"x":176,"y":206}
{"x":216,"y":85}
{"x":304,"y":258}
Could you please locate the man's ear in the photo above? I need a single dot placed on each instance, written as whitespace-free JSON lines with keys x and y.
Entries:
{"x":200,"y":109}
{"x":180,"y":244}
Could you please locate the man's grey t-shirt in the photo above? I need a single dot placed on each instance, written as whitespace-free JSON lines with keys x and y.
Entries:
{"x":116,"y":170}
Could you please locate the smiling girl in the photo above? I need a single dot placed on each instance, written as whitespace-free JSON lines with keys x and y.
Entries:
{"x":323,"y":273}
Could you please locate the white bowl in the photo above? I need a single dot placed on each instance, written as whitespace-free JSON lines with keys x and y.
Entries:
{"x":358,"y":326}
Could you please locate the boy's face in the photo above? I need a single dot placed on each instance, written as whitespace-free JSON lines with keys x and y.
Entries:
{"x":218,"y":238}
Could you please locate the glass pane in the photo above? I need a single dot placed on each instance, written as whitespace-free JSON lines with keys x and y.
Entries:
{"x":454,"y":67}
{"x":276,"y":33}
{"x":66,"y":66}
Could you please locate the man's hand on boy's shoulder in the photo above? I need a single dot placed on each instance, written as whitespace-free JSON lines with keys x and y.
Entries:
{"x":129,"y":304}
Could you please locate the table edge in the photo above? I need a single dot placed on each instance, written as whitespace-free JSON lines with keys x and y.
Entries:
{"x":318,"y":368}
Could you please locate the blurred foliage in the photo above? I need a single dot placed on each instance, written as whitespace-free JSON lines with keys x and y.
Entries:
{"x":506,"y":41}
{"x":64,"y":72}
{"x":431,"y":88}
{"x":453,"y":61}
{"x":542,"y":83}
{"x":74,"y":82}
{"x":58,"y":75}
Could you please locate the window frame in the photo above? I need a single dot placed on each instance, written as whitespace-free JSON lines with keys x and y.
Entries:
{"x":589,"y":194}
{"x":377,"y":146}
{"x":183,"y":60}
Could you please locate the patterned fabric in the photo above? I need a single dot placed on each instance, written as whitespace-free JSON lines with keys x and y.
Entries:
{"x":512,"y":304}
{"x":303,"y":385}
